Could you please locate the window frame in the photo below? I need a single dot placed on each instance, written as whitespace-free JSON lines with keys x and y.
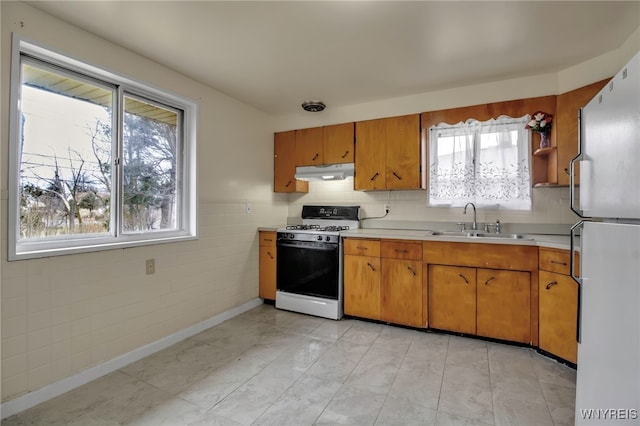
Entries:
{"x":186,"y":185}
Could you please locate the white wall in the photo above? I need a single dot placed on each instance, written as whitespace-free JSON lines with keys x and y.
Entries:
{"x":63,"y":314}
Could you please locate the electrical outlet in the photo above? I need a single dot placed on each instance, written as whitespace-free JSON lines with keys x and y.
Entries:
{"x":249,"y":208}
{"x":150,"y":265}
{"x":387,"y":208}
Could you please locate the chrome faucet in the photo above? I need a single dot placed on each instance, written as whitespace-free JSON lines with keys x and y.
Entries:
{"x":474,"y":225}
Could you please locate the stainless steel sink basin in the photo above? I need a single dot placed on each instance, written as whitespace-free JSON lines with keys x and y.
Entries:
{"x":478,"y":234}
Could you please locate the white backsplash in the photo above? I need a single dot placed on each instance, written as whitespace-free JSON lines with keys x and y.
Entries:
{"x":550,"y":205}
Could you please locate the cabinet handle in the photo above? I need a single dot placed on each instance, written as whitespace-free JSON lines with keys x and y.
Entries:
{"x":566,"y":171}
{"x":345,"y":154}
{"x":487,"y":281}
{"x":268,"y":239}
{"x":287,"y":185}
{"x":270,"y":255}
{"x":413,"y":271}
{"x":396,"y":175}
{"x":558,"y":262}
{"x":315,"y":157}
{"x":362,"y":248}
{"x":402,"y":251}
{"x":371,"y":267}
{"x":375,"y":176}
{"x":464,"y":278}
{"x":551,"y":284}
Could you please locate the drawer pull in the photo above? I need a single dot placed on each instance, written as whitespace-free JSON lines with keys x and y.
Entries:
{"x":315,"y":157}
{"x":345,"y":154}
{"x":551,"y":284}
{"x":270,"y":255}
{"x":558,"y":262}
{"x":375,"y":176}
{"x":371,"y":267}
{"x":464,"y":278}
{"x":487,"y":281}
{"x":362,"y":248}
{"x":402,"y":251}
{"x":413,"y":271}
{"x":397,"y":176}
{"x":268,"y":239}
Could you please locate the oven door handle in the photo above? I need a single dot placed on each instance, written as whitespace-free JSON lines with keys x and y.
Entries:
{"x":312,"y":246}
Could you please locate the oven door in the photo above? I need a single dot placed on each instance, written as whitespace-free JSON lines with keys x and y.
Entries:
{"x":309,"y":268}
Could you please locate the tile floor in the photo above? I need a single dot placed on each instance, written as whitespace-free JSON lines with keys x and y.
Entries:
{"x":271,"y":367}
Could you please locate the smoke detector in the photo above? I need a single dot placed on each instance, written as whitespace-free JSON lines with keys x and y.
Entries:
{"x":313,"y":106}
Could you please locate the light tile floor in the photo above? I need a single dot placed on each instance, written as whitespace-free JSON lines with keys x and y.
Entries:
{"x":272,"y":367}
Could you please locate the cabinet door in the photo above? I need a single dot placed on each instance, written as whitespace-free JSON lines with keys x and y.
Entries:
{"x":267,"y":272}
{"x":504,"y":305}
{"x":452,"y":298}
{"x":338,"y":143}
{"x":362,"y":286}
{"x":567,"y":106}
{"x":403,"y":152}
{"x":309,"y":147}
{"x":284,"y":164}
{"x":370,"y":155}
{"x":401,"y":292}
{"x":558,"y":315}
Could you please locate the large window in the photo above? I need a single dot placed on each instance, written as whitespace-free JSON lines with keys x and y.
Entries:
{"x":96,"y":160}
{"x":482,"y":162}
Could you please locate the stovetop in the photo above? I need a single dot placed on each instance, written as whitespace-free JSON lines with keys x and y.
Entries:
{"x":318,"y":228}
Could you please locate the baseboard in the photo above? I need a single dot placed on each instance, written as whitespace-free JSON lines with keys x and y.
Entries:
{"x":45,"y":393}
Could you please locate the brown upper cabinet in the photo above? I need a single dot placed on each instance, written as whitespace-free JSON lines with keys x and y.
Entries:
{"x":388,"y":154}
{"x":324,"y":145}
{"x":567,"y":106}
{"x":284,"y":164}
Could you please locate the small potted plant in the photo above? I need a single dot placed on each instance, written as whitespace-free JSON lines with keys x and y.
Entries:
{"x":541,"y":123}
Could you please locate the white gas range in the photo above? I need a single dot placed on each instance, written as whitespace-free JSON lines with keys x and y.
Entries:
{"x":309,"y":261}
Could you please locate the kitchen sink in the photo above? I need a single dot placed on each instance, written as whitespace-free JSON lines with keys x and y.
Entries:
{"x":477,"y":234}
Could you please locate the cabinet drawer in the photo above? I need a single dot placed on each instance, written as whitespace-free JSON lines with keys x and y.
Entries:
{"x":555,"y":261}
{"x":267,"y":238}
{"x":362,"y":247}
{"x":407,"y":250}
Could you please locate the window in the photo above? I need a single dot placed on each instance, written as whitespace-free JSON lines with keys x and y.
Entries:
{"x":482,"y":162}
{"x":97,"y":160}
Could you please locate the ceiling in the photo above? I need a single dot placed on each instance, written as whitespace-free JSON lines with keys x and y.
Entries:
{"x":275,"y":55}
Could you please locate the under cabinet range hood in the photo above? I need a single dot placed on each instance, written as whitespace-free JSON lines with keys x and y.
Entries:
{"x":325,"y":173}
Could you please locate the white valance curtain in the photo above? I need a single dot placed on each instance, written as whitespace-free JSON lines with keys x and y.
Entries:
{"x":486,"y":163}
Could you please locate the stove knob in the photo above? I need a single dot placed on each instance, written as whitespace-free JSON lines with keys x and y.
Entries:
{"x":328,"y":238}
{"x":290,"y":236}
{"x":319,"y":237}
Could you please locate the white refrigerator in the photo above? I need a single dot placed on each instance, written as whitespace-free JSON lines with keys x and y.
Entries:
{"x":608,"y":239}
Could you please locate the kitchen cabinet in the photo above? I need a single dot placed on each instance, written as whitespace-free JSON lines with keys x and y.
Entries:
{"x":309,"y":151}
{"x":284,"y":164}
{"x":362,"y":278}
{"x":452,"y":298}
{"x":504,"y":305}
{"x":338,"y":143}
{"x":383,"y":281}
{"x":488,"y":290}
{"x":267,"y":267}
{"x":558,"y":310}
{"x":388,"y":154}
{"x":567,"y":107}
{"x":402,"y":288}
{"x":325,"y":145}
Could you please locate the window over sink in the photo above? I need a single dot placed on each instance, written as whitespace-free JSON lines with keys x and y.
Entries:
{"x":487,"y":163}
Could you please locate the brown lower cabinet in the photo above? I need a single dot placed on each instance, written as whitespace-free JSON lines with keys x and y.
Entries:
{"x":402,"y":292}
{"x":362,"y":286}
{"x":267,"y":260}
{"x":486,"y":302}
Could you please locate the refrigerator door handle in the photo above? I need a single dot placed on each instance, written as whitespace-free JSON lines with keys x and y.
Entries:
{"x":574,"y":233}
{"x":579,"y":157}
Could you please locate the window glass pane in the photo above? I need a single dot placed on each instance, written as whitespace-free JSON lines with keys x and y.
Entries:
{"x":150,"y":141}
{"x":64,"y":154}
